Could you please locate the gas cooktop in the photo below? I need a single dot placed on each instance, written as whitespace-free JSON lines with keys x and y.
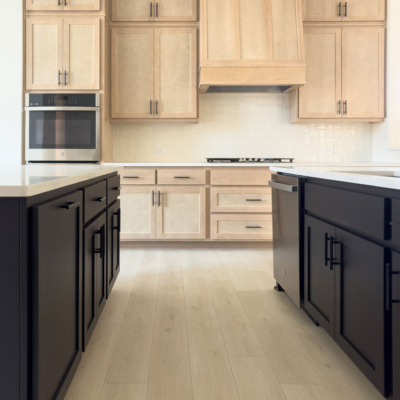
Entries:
{"x":250,"y":160}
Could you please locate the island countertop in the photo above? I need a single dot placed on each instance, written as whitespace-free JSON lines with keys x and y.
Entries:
{"x":33,"y":179}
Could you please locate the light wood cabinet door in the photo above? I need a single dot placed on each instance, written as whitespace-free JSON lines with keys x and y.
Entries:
{"x":81,"y":61}
{"x":176,"y":10}
{"x":320,"y":97}
{"x":81,"y":5}
{"x":44,"y":5}
{"x":364,"y":10}
{"x":175,"y":72}
{"x":181,"y":213}
{"x":132,"y":82}
{"x":322,"y":10}
{"x":138,"y":205}
{"x":363,"y":72}
{"x":43,"y":53}
{"x":133,"y":10}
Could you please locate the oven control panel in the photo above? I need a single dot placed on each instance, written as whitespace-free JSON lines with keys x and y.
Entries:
{"x":61,"y":100}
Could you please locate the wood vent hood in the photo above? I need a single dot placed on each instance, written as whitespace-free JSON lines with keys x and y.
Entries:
{"x":252,"y":46}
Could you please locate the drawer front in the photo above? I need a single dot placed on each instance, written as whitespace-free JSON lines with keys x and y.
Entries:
{"x":95,"y":200}
{"x":395,"y":223}
{"x":362,"y":212}
{"x":243,"y":199}
{"x":138,"y":176}
{"x":181,"y":177}
{"x":113,"y":189}
{"x":241,"y":177}
{"x":241,"y":227}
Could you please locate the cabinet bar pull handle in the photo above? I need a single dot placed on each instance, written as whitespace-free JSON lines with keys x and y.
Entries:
{"x":65,"y":2}
{"x":253,"y":227}
{"x":102,"y":248}
{"x":156,"y":107}
{"x":71,"y":206}
{"x":101,"y":199}
{"x":331,"y":259}
{"x":159,"y":199}
{"x":156,"y":10}
{"x":131,"y":177}
{"x":339,"y":107}
{"x":388,"y":276}
{"x":327,"y":239}
{"x":345,"y":107}
{"x":182,"y":177}
{"x":340,"y":9}
{"x":151,"y":9}
{"x":59,"y":3}
{"x":118,"y":222}
{"x":117,"y":188}
{"x":152,"y":197}
{"x":394,"y":224}
{"x":59,"y":76}
{"x":151,"y":107}
{"x":65,"y":75}
{"x":253,"y":199}
{"x":345,"y":9}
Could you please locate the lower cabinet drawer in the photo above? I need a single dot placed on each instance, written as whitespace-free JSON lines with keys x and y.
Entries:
{"x":130,"y":176}
{"x":95,"y":200}
{"x":181,"y":177}
{"x":242,"y":199}
{"x":240,"y":177}
{"x":113,"y":189}
{"x":241,"y":227}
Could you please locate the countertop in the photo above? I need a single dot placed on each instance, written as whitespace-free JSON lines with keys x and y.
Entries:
{"x":30,"y":180}
{"x":373,"y":175}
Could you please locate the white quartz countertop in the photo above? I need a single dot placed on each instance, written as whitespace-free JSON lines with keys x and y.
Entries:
{"x":379,"y":175}
{"x":30,"y":180}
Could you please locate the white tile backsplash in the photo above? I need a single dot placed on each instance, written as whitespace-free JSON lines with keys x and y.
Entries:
{"x":243,"y":125}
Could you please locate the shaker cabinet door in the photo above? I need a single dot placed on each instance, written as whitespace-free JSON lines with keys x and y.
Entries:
{"x":44,"y":54}
{"x":364,"y":10}
{"x":113,"y":244}
{"x":319,"y":273}
{"x":133,"y":10}
{"x":57,"y":295}
{"x":44,"y":5}
{"x":396,"y":324}
{"x":176,"y":10}
{"x":322,"y":10}
{"x":82,"y":5}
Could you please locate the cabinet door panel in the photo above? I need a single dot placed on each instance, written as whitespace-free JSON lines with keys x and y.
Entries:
{"x":56,"y":293}
{"x":319,"y":278}
{"x":132,"y":83}
{"x":181,"y":213}
{"x":365,"y":10}
{"x":322,"y":10}
{"x":396,"y":324}
{"x":43,"y":53}
{"x":82,"y":53}
{"x":175,"y":72}
{"x":176,"y":10}
{"x":44,"y":5}
{"x":139,"y":208}
{"x":82,"y":5}
{"x":137,"y":10}
{"x":363,"y":74}
{"x":361,"y":317}
{"x":320,"y":97}
{"x":113,"y":244}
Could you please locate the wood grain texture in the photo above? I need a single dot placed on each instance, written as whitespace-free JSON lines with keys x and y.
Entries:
{"x":181,"y":176}
{"x":177,"y":11}
{"x":123,"y":391}
{"x":240,"y":177}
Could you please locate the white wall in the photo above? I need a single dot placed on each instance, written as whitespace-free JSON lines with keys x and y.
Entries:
{"x":386,"y":136}
{"x":11,"y":50}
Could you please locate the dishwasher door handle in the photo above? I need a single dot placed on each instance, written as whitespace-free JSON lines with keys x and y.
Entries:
{"x":282,"y":186}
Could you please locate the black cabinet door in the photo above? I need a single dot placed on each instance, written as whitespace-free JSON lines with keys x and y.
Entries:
{"x":94,"y":274}
{"x":361,"y":316}
{"x":113,"y":244}
{"x":57,"y":295}
{"x":396,"y":324}
{"x":319,"y":274}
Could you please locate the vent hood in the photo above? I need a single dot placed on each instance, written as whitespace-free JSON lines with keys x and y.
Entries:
{"x":251,"y":46}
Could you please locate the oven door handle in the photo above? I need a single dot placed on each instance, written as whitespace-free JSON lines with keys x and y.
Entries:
{"x":62,"y":108}
{"x":282,"y":186}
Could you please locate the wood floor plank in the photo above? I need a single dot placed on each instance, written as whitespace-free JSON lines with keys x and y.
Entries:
{"x":255,"y":379}
{"x":89,"y":378}
{"x":215,"y":266}
{"x":212,"y":376}
{"x":259,"y":260}
{"x":124,"y":391}
{"x":131,"y":357}
{"x":148,"y":275}
{"x":238,"y":333}
{"x":305,"y":392}
{"x":192,"y":265}
{"x":170,"y":377}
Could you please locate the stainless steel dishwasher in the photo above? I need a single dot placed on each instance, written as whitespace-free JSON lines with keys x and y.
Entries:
{"x":287,"y":211}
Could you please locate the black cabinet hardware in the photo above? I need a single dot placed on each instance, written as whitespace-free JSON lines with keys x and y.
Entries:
{"x":345,"y":9}
{"x":339,"y":107}
{"x":65,"y":72}
{"x":152,"y":197}
{"x":345,"y":107}
{"x":182,"y":177}
{"x":253,"y":200}
{"x":394,"y":224}
{"x":101,"y":250}
{"x":59,"y":72}
{"x":71,"y":206}
{"x":117,"y":188}
{"x":159,"y":199}
{"x":131,"y":177}
{"x":340,"y":9}
{"x":327,"y":239}
{"x":157,"y":100}
{"x":59,"y":2}
{"x":253,"y":227}
{"x":151,"y":107}
{"x":151,"y":9}
{"x":65,"y":2}
{"x":101,"y":199}
{"x":156,"y":10}
{"x":331,"y":259}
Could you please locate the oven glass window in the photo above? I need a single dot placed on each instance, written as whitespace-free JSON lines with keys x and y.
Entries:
{"x":62,"y":130}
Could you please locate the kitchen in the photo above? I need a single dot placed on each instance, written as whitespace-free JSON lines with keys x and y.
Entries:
{"x":200,"y":200}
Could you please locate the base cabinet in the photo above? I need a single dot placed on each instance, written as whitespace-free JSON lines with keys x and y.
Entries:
{"x":57,"y":295}
{"x":94,"y":274}
{"x":396,"y":324}
{"x":113,"y":244}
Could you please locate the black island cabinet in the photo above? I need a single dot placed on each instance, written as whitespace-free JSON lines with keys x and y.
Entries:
{"x":60,"y":259}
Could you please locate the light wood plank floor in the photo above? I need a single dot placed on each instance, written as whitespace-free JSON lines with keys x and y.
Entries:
{"x":207,"y":325}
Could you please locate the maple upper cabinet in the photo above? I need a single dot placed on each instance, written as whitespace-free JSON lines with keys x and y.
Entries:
{"x":62,"y":5}
{"x":154,"y":10}
{"x":154,"y":73}
{"x":351,"y":10}
{"x":62,"y":53}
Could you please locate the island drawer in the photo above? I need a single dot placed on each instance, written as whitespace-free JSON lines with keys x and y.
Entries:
{"x":241,"y":199}
{"x":241,"y":227}
{"x":241,"y":177}
{"x":362,"y":212}
{"x":130,"y":176}
{"x":181,"y":177}
{"x":113,"y":189}
{"x":395,"y":223}
{"x":95,"y":200}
